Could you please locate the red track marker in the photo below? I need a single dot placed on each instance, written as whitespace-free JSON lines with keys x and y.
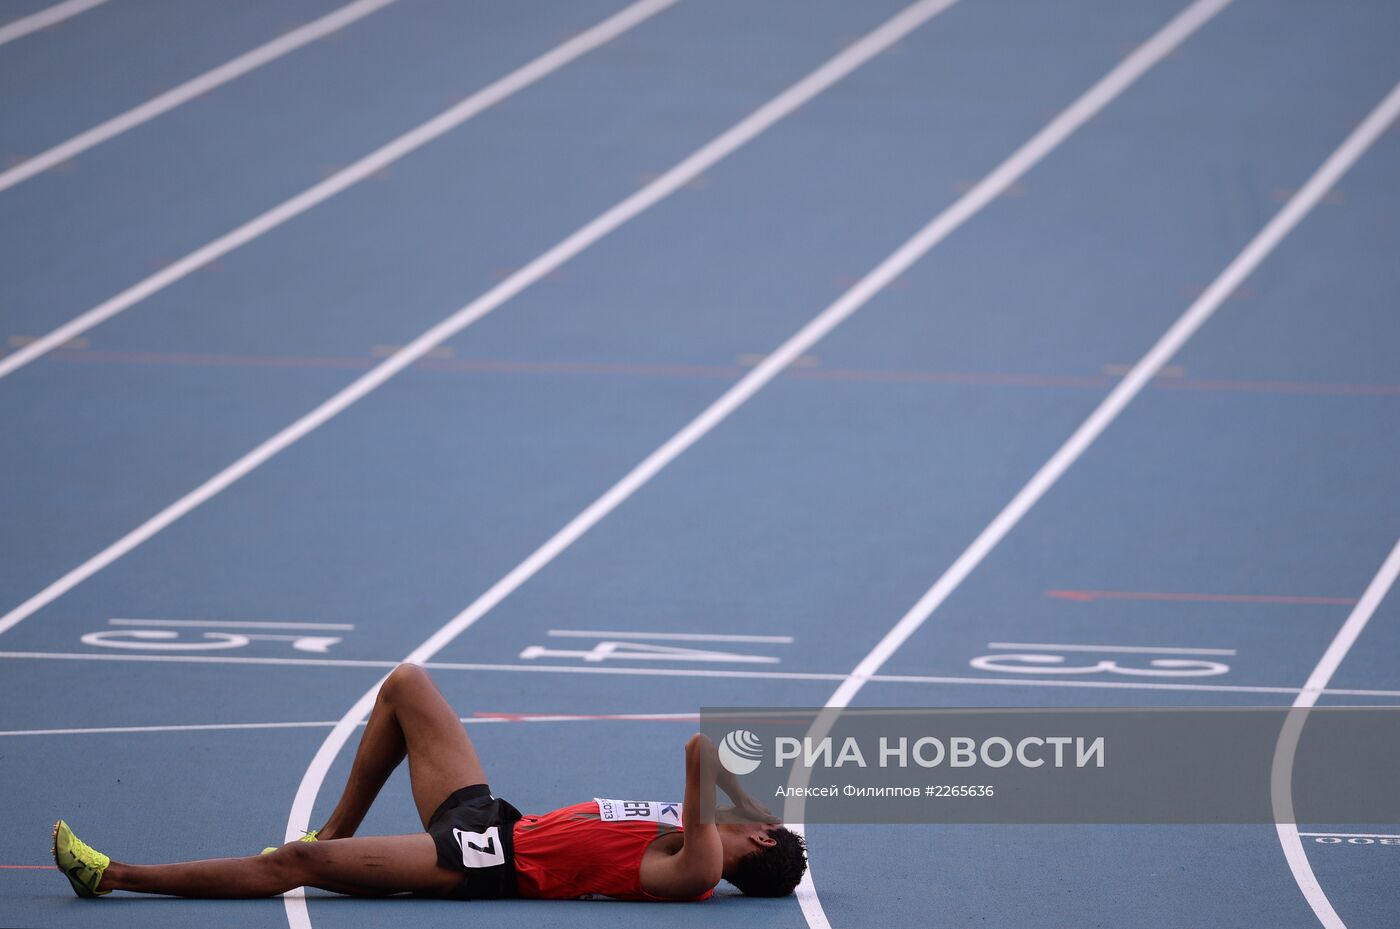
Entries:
{"x":1089,"y":596}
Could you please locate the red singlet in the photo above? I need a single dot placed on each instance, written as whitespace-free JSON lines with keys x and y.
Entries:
{"x":591,"y":849}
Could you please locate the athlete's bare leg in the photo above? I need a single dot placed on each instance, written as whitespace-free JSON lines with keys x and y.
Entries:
{"x":370,"y":866}
{"x":410,"y":718}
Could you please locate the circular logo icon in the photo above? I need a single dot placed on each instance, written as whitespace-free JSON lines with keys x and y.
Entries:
{"x":741,"y":752}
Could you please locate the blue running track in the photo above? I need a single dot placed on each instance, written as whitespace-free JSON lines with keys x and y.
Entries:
{"x":1242,"y":502}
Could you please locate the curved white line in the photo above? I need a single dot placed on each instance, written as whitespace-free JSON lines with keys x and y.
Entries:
{"x":377,"y":160}
{"x":987,"y":190}
{"x":1244,"y":264}
{"x":164,"y":103}
{"x":16,"y":28}
{"x":1281,"y":784}
{"x":1283,"y":222}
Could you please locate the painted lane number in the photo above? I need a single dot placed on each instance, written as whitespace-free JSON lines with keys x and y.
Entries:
{"x":632,"y":646}
{"x":1044,"y":658}
{"x":203,"y":635}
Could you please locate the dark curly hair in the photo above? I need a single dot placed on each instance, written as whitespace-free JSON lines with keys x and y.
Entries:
{"x":773,"y":871}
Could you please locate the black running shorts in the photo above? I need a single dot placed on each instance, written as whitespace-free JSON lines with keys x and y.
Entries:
{"x":474,"y":834}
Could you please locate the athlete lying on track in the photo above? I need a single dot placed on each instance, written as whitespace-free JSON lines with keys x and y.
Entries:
{"x":477,"y":846}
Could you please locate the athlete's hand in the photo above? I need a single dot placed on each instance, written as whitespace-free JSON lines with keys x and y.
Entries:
{"x":747,"y":809}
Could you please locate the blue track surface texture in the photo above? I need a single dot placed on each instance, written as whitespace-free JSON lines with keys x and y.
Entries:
{"x":1242,"y":502}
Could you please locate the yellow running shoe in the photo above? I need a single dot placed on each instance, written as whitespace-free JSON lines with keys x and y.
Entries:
{"x":305,"y":837}
{"x":83,"y":865}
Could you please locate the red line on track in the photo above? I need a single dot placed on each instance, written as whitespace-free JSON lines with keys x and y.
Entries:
{"x":465,"y":365}
{"x":625,"y":717}
{"x":993,"y":379}
{"x":204,"y":360}
{"x":27,"y":867}
{"x":623,"y":369}
{"x":1089,"y":596}
{"x":1284,"y":387}
{"x":477,"y":366}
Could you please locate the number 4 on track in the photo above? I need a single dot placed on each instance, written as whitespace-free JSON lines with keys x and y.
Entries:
{"x":609,"y":650}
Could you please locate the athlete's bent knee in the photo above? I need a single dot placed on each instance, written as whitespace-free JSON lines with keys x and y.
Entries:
{"x":404,"y":675}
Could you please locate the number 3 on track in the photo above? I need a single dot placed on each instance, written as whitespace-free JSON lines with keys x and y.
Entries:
{"x":1033,"y":663}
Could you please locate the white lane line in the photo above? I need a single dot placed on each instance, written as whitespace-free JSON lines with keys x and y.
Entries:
{"x":1101,"y":685}
{"x":672,"y":180}
{"x":1068,"y":121}
{"x":192,"y":727}
{"x":1127,"y":649}
{"x":204,"y":659}
{"x":691,"y":672}
{"x":377,"y":160}
{"x":221,"y":624}
{"x":57,"y":13}
{"x":964,"y":208}
{"x":1171,"y":342}
{"x":164,"y":103}
{"x":1282,"y":775}
{"x":1114,"y":83}
{"x":382,"y":372}
{"x":670,"y":636}
{"x":1349,"y":835}
{"x":326,"y":724}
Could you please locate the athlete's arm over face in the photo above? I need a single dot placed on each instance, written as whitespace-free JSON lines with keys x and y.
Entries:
{"x":699,"y":864}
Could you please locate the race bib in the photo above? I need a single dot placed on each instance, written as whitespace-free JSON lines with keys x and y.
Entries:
{"x":647,"y":811}
{"x":480,"y":849}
